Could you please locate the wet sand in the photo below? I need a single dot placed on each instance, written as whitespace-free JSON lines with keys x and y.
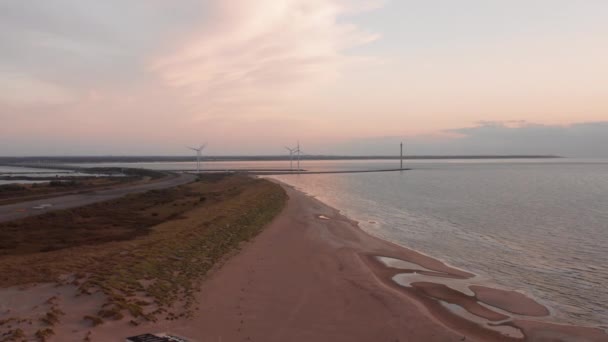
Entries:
{"x":313,"y":275}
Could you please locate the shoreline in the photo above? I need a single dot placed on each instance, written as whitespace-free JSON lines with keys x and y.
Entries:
{"x":554,"y":316}
{"x":314,"y":275}
{"x":513,"y":309}
{"x":526,"y":313}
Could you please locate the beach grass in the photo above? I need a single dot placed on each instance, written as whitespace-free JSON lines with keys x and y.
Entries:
{"x":146,"y":252}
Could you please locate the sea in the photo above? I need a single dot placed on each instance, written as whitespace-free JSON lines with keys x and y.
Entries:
{"x":537,"y":226}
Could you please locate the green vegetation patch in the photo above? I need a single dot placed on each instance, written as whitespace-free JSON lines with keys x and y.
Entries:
{"x":120,"y":219}
{"x":146,"y":275}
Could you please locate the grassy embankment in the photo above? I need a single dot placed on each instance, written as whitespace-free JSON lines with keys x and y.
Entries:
{"x":146,"y":252}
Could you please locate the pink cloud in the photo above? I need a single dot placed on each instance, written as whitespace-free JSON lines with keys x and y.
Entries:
{"x":254,"y":55}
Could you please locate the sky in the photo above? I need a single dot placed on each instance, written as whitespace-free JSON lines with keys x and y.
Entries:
{"x":149,"y":77}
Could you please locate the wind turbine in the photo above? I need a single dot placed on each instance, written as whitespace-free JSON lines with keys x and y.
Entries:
{"x":198,"y":150}
{"x":291,"y":152}
{"x":298,"y":151}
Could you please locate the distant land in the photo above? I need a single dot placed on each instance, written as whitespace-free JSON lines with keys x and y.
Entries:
{"x":134,"y":159}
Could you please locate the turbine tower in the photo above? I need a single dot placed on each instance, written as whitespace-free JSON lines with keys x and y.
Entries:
{"x":199,"y":151}
{"x":299,"y":152}
{"x":401,"y":156}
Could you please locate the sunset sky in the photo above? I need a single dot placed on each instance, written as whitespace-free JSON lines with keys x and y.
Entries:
{"x":343,"y":77}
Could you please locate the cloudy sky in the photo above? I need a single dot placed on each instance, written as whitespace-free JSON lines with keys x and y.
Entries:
{"x":342,"y":76}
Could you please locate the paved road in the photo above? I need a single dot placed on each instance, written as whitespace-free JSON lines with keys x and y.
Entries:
{"x":24,"y":209}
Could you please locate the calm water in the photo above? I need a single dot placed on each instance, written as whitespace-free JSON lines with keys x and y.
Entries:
{"x":540,"y":227}
{"x":4,"y":170}
{"x":18,"y":171}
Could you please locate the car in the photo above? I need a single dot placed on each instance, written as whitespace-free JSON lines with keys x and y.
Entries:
{"x":42,"y":206}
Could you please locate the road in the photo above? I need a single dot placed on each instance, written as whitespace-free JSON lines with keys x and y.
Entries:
{"x":16,"y":211}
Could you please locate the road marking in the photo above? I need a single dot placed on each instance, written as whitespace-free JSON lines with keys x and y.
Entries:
{"x":42,"y":206}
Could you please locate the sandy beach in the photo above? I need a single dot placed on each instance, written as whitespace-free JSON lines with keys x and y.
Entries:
{"x":313,"y":275}
{"x":301,"y":279}
{"x":310,"y":276}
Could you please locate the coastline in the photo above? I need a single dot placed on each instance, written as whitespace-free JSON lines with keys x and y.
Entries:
{"x":510,"y":315}
{"x":300,"y":279}
{"x":313,"y":275}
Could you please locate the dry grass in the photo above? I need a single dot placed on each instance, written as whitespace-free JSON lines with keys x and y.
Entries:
{"x":146,"y":252}
{"x":44,"y":334}
{"x":121,"y":219}
{"x":13,"y":335}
